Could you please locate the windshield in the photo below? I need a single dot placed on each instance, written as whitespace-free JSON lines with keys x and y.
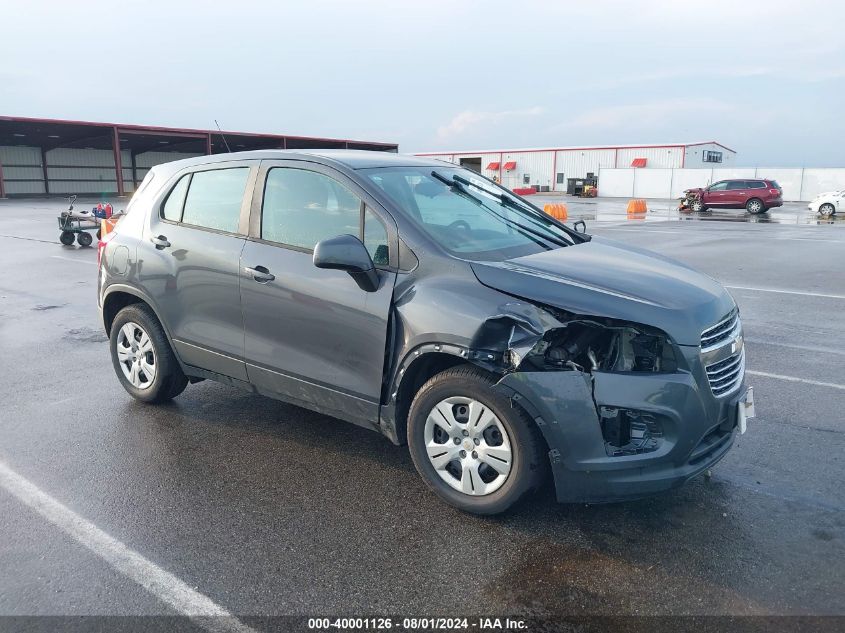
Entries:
{"x":470,"y":217}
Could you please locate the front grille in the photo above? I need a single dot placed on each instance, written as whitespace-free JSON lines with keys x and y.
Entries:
{"x":726,"y":375}
{"x":725,"y":330}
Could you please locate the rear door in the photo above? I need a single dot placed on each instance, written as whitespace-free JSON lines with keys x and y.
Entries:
{"x":190,"y":266}
{"x":758,"y":189}
{"x":736,"y":194}
{"x":312,"y":336}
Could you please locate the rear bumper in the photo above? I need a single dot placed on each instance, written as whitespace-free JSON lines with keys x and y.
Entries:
{"x":777,"y":202}
{"x":698,"y":429}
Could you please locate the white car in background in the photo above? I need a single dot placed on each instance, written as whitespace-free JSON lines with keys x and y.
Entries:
{"x":828,"y":203}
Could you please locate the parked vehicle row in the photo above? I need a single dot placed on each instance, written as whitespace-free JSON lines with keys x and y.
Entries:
{"x":425,"y":302}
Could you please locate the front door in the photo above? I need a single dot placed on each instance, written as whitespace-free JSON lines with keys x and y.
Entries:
{"x":312,"y":336}
{"x":715,"y":194}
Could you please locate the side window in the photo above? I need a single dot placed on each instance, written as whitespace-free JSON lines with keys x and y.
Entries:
{"x":719,"y":186}
{"x":733,"y":185}
{"x":214,"y":198}
{"x":172,"y":207}
{"x":303,"y":207}
{"x":375,"y":239}
{"x":756,"y":184}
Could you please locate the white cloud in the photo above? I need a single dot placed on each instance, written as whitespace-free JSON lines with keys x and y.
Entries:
{"x":468,"y":119}
{"x":644,"y":114}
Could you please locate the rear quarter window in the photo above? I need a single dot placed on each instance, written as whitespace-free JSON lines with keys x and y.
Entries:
{"x":172,"y":207}
{"x":756,"y":184}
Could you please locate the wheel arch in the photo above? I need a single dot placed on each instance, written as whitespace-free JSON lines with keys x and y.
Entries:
{"x":423,"y":363}
{"x":417,"y":368}
{"x":760,"y":200}
{"x":119,"y":296}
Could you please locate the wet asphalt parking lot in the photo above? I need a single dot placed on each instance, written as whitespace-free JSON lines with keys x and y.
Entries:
{"x":267,"y":509}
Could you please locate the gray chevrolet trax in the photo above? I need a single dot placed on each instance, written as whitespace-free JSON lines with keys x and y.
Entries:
{"x":425,"y":302}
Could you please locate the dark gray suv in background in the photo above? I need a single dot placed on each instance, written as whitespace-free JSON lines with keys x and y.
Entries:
{"x":421,"y":300}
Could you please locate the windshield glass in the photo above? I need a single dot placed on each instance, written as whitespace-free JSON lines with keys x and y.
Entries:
{"x":467,"y":215}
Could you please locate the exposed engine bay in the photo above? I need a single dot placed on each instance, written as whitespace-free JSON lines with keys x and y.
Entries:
{"x":531,"y":338}
{"x":586,"y":345}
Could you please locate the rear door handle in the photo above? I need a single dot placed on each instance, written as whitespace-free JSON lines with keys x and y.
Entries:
{"x":260,"y":274}
{"x":160,"y":241}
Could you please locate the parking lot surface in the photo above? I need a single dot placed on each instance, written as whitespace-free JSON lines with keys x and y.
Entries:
{"x":267,"y":509}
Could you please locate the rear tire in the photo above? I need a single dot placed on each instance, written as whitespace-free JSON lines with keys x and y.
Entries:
{"x":827,"y":210}
{"x":491,"y":426}
{"x":84,"y":239}
{"x":755,"y":206}
{"x":67,"y":238}
{"x":139,"y":347}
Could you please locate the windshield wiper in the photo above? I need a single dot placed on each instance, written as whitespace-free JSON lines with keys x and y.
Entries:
{"x":457,"y":186}
{"x":544,"y":220}
{"x":526,"y":232}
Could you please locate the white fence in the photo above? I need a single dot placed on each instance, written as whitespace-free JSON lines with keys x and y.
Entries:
{"x":798,"y":184}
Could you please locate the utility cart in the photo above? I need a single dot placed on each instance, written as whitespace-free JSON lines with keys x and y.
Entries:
{"x":74,"y":225}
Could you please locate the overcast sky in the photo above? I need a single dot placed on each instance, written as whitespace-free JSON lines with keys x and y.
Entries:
{"x":765,"y":78}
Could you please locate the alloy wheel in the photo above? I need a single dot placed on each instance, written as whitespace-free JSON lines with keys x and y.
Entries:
{"x":468,"y":446}
{"x":136,"y":355}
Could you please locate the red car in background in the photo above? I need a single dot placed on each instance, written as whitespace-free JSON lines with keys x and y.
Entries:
{"x":753,"y":195}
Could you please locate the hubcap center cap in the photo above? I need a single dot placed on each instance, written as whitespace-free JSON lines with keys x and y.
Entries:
{"x":468,"y":445}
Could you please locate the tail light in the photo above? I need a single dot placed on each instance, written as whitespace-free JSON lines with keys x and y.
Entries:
{"x":774,"y":192}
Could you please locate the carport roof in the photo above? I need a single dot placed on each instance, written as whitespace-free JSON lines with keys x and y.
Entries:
{"x":51,"y":133}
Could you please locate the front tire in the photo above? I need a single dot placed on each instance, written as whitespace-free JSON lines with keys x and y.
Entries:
{"x":698,"y":206}
{"x":67,"y":238}
{"x":473,"y":448}
{"x":755,"y":206}
{"x":143,"y":360}
{"x":827,"y":210}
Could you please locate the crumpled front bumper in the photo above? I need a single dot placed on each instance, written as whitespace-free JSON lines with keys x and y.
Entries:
{"x":698,"y":428}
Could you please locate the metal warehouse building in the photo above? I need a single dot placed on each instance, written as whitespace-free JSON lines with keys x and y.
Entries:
{"x":551,"y":169}
{"x":56,"y":157}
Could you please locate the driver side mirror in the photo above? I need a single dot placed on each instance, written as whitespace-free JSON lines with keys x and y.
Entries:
{"x":347,"y":252}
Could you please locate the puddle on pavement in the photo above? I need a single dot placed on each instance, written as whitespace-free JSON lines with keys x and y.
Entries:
{"x":562,"y":579}
{"x":86,"y":335}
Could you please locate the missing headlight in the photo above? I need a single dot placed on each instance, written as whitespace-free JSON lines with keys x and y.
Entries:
{"x":593,"y":346}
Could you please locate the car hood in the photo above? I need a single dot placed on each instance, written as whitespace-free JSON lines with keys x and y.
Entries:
{"x":609,"y":279}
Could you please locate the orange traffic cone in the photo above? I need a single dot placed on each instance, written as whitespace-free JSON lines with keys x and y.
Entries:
{"x":637,"y":206}
{"x":557,"y":211}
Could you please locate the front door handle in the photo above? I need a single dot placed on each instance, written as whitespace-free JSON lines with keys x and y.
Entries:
{"x":260,"y":274}
{"x":160,"y":241}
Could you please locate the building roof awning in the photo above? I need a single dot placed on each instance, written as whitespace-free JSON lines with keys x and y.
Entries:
{"x":511,"y":164}
{"x":494,"y":166}
{"x":639,"y":162}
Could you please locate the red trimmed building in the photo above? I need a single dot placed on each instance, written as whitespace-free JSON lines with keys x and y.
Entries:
{"x":551,"y":169}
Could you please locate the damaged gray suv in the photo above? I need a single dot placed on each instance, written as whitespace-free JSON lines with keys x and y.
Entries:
{"x":425,"y":302}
